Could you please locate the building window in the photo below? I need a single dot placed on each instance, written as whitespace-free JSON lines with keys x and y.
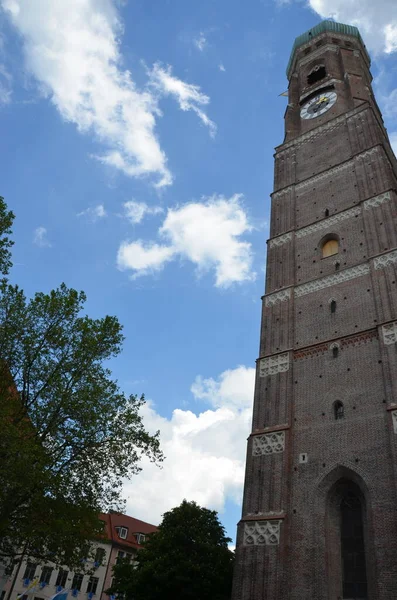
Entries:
{"x":339,"y":411}
{"x":333,"y":306}
{"x":30,"y":570}
{"x":330,"y":247}
{"x":335,"y":351}
{"x":62,"y":578}
{"x":122,"y":532}
{"x":316,"y":74}
{"x":123,"y":556}
{"x":92,"y":585}
{"x":140,"y":538}
{"x":77,"y":581}
{"x":46,"y":575}
{"x":326,"y":212}
{"x":99,"y":556}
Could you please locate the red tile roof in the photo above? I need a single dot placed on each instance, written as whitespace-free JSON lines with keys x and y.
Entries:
{"x":113,"y":520}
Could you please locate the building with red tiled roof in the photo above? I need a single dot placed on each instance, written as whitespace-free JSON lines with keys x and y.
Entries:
{"x":126,"y":536}
{"x":123,"y":538}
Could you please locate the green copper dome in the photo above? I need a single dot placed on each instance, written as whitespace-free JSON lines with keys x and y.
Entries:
{"x":322,"y":28}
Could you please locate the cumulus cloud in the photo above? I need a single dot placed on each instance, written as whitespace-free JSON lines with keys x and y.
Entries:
{"x":136,"y":211}
{"x":377,"y":21}
{"x":40,"y":237}
{"x":188,"y":95}
{"x":93,"y":213}
{"x":73,"y":49}
{"x":207,"y":233}
{"x":205,"y":452}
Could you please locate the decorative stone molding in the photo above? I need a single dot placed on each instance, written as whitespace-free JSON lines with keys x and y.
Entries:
{"x":270,"y":443}
{"x":326,"y":223}
{"x":281,"y":193}
{"x":278,"y":297}
{"x":359,"y":339}
{"x":280,"y":240}
{"x":377,"y":201}
{"x":380,"y":262}
{"x":369,"y":152}
{"x":324,"y":175}
{"x":274,"y":364}
{"x":330,"y":126}
{"x":394,"y":419}
{"x":324,"y":282}
{"x":262,"y":533}
{"x":310,"y":352}
{"x":389,"y":333}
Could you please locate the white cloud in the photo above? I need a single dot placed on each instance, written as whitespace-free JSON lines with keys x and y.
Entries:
{"x":188,"y":95}
{"x":205,"y":453}
{"x":221,"y":67}
{"x":206,"y":233}
{"x":377,"y":21}
{"x":201,"y":41}
{"x":40,"y":238}
{"x":143,"y":259}
{"x":5,"y":85}
{"x":72,"y":48}
{"x":135,"y":211}
{"x":93,"y":213}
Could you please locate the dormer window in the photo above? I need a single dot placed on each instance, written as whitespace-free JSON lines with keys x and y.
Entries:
{"x":122,"y":532}
{"x":140,"y":538}
{"x":316,"y":74}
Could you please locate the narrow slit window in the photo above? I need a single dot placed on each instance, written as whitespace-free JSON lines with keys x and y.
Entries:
{"x":326,"y":212}
{"x":339,"y":410}
{"x":333,"y":306}
{"x":335,"y":351}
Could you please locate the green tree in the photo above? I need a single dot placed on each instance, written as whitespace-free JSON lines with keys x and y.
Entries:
{"x":188,"y":558}
{"x":68,"y":434}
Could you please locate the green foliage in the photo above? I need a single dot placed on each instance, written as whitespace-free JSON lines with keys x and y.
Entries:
{"x":6,"y":220}
{"x":188,"y":557}
{"x":68,"y":434}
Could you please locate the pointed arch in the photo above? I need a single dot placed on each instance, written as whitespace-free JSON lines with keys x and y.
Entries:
{"x":339,"y":488}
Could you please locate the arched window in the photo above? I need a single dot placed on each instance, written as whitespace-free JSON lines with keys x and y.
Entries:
{"x":335,"y":351}
{"x":339,"y":410}
{"x":326,"y":212}
{"x":330,"y":247}
{"x":333,"y":306}
{"x":316,"y":74}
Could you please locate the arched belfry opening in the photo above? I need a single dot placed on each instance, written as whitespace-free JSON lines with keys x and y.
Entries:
{"x":346,"y":541}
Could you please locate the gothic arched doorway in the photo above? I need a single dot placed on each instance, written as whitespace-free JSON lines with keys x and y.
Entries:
{"x":354,"y":575}
{"x":346,"y":541}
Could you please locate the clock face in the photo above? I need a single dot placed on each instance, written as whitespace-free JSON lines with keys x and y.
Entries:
{"x":318,"y":105}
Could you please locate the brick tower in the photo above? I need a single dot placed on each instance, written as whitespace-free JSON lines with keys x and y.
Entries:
{"x":319,"y":518}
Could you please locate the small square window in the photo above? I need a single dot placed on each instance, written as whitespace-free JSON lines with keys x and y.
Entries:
{"x":122,"y":532}
{"x":140,"y":538}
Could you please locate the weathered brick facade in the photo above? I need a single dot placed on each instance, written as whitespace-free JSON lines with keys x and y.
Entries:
{"x":329,"y":334}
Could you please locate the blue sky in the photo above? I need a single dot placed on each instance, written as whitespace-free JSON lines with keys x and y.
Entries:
{"x":137,"y":153}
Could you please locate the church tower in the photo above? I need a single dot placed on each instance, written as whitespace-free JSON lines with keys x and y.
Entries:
{"x":319,"y":518}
